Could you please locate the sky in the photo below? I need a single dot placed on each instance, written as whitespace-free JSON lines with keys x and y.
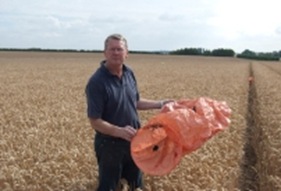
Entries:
{"x":148,"y":25}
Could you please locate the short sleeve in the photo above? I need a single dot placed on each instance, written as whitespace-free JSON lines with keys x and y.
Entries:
{"x":95,"y":95}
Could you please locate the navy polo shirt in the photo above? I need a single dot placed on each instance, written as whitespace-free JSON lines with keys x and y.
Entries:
{"x":113,"y":99}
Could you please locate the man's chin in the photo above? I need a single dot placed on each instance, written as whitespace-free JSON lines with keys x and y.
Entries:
{"x":117,"y":62}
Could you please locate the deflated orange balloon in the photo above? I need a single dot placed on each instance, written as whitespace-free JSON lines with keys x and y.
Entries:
{"x":180,"y":128}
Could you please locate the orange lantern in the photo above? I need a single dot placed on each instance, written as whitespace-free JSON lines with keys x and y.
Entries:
{"x":180,"y":128}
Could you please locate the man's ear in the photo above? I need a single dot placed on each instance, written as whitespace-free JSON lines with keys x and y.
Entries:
{"x":127,"y":55}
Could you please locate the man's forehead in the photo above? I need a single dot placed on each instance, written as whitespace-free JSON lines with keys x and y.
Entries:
{"x":116,"y":43}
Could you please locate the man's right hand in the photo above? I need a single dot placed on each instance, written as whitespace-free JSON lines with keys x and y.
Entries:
{"x":127,"y":132}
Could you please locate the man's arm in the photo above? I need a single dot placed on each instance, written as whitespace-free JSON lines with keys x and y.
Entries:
{"x":145,"y":104}
{"x":106,"y":128}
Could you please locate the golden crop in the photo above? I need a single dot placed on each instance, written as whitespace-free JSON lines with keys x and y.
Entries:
{"x":46,"y":140}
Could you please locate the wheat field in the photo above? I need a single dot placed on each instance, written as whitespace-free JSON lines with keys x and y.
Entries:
{"x":46,"y":142}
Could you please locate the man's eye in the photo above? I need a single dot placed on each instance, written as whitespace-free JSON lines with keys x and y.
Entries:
{"x":117,"y":49}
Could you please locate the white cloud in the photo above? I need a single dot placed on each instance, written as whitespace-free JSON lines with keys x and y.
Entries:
{"x":278,"y":30}
{"x":51,"y":35}
{"x":148,"y":25}
{"x":246,"y":17}
{"x":54,"y":21}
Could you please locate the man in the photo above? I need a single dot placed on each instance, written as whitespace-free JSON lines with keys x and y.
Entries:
{"x":113,"y":100}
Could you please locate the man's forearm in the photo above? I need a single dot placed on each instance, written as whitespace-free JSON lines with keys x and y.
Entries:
{"x":104,"y":127}
{"x":144,"y":104}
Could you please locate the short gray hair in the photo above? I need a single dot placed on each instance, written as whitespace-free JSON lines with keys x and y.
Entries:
{"x":115,"y":37}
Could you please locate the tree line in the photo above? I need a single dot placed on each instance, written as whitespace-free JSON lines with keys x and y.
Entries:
{"x":248,"y":54}
{"x":224,"y":52}
{"x":47,"y":50}
{"x":75,"y":50}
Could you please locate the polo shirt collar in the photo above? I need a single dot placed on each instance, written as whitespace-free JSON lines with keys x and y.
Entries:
{"x":104,"y":69}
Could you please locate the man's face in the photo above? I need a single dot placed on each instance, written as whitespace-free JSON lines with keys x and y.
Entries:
{"x":115,"y":52}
